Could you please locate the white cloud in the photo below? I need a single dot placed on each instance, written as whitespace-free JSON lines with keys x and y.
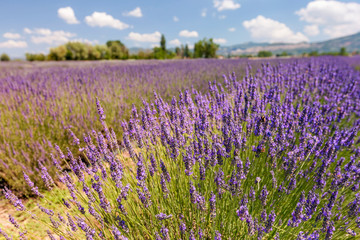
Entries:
{"x":221,"y":17}
{"x":42,"y":31}
{"x":267,"y":29}
{"x":220,"y":40}
{"x":204,"y":12}
{"x":84,"y":40}
{"x":44,"y":35}
{"x":11,"y":35}
{"x":134,"y":13}
{"x":13,"y":44}
{"x":232,"y":29}
{"x":145,"y":37}
{"x":176,"y":19}
{"x":336,"y":18}
{"x":155,"y":45}
{"x":102,"y":19}
{"x":311,"y":30}
{"x":27,"y":30}
{"x":188,"y":34}
{"x":175,"y":42}
{"x":222,"y":5}
{"x":68,"y":15}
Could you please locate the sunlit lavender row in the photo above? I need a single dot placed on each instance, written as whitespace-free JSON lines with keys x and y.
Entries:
{"x":271,"y":155}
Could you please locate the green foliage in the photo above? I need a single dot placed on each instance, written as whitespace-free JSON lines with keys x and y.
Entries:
{"x":35,"y":57}
{"x":163,"y":43}
{"x":158,"y":53}
{"x":187,"y":53}
{"x":314,"y":54}
{"x":264,"y":54}
{"x":283,"y":54}
{"x":117,"y":50}
{"x":58,"y":53}
{"x":205,"y":48}
{"x":4,"y":57}
{"x":343,"y":52}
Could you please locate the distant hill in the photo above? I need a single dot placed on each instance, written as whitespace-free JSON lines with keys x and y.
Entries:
{"x":352,"y":43}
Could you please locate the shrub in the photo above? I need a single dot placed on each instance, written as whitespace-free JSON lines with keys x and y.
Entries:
{"x":4,"y":57}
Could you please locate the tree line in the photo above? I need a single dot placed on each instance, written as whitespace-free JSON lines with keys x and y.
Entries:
{"x":205,"y":48}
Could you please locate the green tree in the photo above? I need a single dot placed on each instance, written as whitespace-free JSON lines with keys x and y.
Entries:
{"x":158,"y":53}
{"x":264,"y":54}
{"x":186,"y":51}
{"x":117,"y":50}
{"x":58,"y":53}
{"x":178,"y":52}
{"x":35,"y":57}
{"x":199,"y":49}
{"x":205,"y":48}
{"x":314,"y":53}
{"x":163,"y":43}
{"x":77,"y":51}
{"x":4,"y":57}
{"x":343,"y":52}
{"x":210,"y":48}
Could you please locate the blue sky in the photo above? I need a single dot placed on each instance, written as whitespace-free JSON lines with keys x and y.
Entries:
{"x":36,"y":26}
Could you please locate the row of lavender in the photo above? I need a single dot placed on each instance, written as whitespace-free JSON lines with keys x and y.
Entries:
{"x":269,"y":156}
{"x":38,"y":101}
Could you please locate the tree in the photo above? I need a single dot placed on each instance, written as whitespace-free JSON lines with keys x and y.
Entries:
{"x":264,"y":54}
{"x":210,"y":48}
{"x":4,"y":57}
{"x":163,"y":43}
{"x":186,"y":51}
{"x":117,"y":50}
{"x":77,"y":51}
{"x":205,"y":48}
{"x":58,"y":53}
{"x":178,"y":52}
{"x":199,"y":49}
{"x":343,"y":52}
{"x":314,"y":54}
{"x":35,"y":57}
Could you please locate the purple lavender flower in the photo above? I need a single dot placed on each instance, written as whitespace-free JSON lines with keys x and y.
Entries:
{"x":163,"y":185}
{"x":270,"y":222}
{"x":34,"y":189}
{"x":6,"y":236}
{"x":50,"y":235}
{"x":141,"y":171}
{"x":217,"y":235}
{"x":201,"y":234}
{"x":182,"y":228}
{"x":13,"y":221}
{"x":165,"y":233}
{"x":100,"y":110}
{"x":76,"y":141}
{"x":45,"y":210}
{"x":71,"y":223}
{"x":163,"y":216}
{"x":263,"y":195}
{"x":212,"y":202}
{"x":165,"y":172}
{"x":117,"y":234}
{"x":45,"y":176}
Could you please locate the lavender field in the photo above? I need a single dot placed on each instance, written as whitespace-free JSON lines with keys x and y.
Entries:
{"x":191,"y":149}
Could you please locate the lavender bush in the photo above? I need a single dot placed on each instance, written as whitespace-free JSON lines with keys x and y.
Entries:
{"x":274,"y":155}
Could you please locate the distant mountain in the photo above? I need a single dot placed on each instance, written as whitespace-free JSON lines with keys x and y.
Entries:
{"x":352,"y":43}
